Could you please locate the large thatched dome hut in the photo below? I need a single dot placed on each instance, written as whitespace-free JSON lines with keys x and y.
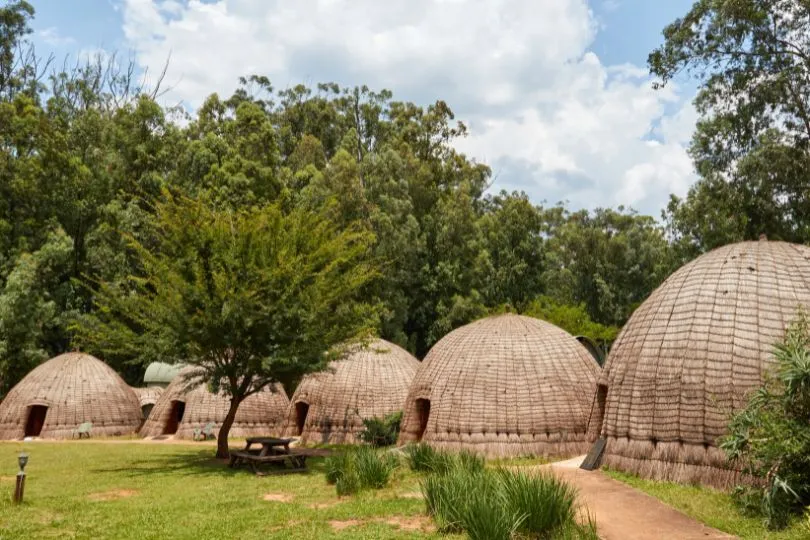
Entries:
{"x":689,"y":356}
{"x":507,"y":385}
{"x":186,"y":405}
{"x":64,"y":392}
{"x":371,"y":381}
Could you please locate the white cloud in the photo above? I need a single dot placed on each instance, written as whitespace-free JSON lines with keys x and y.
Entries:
{"x":542,"y":109}
{"x":52,"y":37}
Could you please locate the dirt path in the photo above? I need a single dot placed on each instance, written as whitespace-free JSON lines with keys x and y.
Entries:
{"x":625,"y":513}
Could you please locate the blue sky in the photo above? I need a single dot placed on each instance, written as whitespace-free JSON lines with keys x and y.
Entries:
{"x":555,"y":91}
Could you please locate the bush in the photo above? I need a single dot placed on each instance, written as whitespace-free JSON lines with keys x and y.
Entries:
{"x":373,"y":467}
{"x":381,"y":432}
{"x":547,"y":502}
{"x":498,"y":503}
{"x":360,"y":468}
{"x":771,"y":436}
{"x":423,"y":458}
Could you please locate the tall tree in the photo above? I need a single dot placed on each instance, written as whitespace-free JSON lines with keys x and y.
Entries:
{"x":250,"y":296}
{"x":753,"y":60}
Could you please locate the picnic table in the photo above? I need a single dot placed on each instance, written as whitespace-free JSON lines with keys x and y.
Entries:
{"x":272,"y":451}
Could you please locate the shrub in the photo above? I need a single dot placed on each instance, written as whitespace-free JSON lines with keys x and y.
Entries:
{"x":771,"y":436}
{"x":423,"y":458}
{"x":420,"y":457}
{"x":381,"y":432}
{"x":359,"y":468}
{"x":498,"y":504}
{"x":373,"y":467}
{"x":547,"y":502}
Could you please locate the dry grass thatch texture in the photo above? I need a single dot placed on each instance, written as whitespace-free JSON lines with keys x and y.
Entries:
{"x":75,"y":388}
{"x":260,"y":414}
{"x":371,"y":381}
{"x":690,"y":354}
{"x":148,"y":395}
{"x":504,"y":386}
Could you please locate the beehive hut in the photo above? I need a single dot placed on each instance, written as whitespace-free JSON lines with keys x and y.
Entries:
{"x":148,"y":397}
{"x":160,"y":374}
{"x":186,"y":405}
{"x":371,"y":381}
{"x":64,"y":392}
{"x":689,"y":356}
{"x":503,"y":386}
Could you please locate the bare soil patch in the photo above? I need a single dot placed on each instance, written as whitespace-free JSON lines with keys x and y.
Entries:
{"x":340,"y":525}
{"x":278,"y":497}
{"x":112,"y":495}
{"x":412,"y":523}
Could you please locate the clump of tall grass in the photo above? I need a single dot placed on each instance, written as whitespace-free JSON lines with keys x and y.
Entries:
{"x":497,"y":504}
{"x":423,"y":458}
{"x":360,"y":468}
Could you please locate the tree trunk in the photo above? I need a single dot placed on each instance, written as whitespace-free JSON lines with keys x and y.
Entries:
{"x":225,"y":429}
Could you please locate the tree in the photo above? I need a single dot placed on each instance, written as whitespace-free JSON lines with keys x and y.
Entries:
{"x":251,"y":296}
{"x":753,"y":60}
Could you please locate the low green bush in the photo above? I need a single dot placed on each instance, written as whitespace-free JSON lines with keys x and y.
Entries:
{"x":360,"y":468}
{"x":498,"y":504}
{"x":423,"y":458}
{"x":547,"y":502}
{"x":420,"y":457}
{"x":380,"y":432}
{"x":770,"y":437}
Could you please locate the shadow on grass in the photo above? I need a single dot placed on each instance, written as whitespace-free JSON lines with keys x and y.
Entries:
{"x":202,"y":464}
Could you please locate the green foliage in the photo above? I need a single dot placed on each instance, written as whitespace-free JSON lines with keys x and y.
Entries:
{"x":360,"y":468}
{"x":424,"y":458}
{"x":499,"y":503}
{"x":420,"y":457}
{"x":573,"y":319}
{"x":547,"y":502}
{"x":750,"y":146}
{"x":771,"y":435}
{"x":380,"y":432}
{"x":251,"y":296}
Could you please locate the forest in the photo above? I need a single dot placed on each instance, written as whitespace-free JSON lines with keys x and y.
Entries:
{"x":88,"y":154}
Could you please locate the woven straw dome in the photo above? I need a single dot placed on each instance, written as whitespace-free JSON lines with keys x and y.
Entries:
{"x":503,"y":386}
{"x":689,"y":355}
{"x":148,"y":397}
{"x":372,"y":381}
{"x":186,"y":405}
{"x":64,"y":392}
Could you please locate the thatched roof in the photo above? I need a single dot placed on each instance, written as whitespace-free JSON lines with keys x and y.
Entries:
{"x":259,"y":414}
{"x":148,"y":395}
{"x":75,"y":388}
{"x":371,"y":381}
{"x":690,"y":353}
{"x":507,"y":385}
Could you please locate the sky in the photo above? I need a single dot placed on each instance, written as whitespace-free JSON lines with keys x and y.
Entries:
{"x":555,"y":93}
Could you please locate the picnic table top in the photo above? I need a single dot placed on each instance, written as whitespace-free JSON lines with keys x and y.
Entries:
{"x":268,"y":440}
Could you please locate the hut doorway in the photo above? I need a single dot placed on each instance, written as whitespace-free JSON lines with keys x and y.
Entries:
{"x":598,"y":412}
{"x":175,"y":417}
{"x":423,"y":414}
{"x":146,"y":410}
{"x":35,"y":420}
{"x":301,"y":411}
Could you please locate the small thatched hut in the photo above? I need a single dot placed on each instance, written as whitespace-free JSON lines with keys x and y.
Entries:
{"x":64,"y":392}
{"x":148,"y":397}
{"x":507,"y":385}
{"x":372,"y":381}
{"x":186,"y":405}
{"x":689,"y":356}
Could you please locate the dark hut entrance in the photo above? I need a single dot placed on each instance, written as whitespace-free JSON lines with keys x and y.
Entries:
{"x":423,"y":414}
{"x":146,"y":409}
{"x":175,"y":417}
{"x":301,"y":411}
{"x":35,"y":421}
{"x":598,"y":416}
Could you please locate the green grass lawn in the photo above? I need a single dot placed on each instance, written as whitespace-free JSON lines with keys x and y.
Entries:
{"x":712,"y":507}
{"x":128,"y":490}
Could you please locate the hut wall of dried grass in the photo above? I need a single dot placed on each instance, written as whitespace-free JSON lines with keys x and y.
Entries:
{"x":503,"y":386}
{"x":186,"y":405}
{"x":148,"y":397}
{"x":330,"y":406}
{"x":64,"y":392}
{"x":690,"y":355}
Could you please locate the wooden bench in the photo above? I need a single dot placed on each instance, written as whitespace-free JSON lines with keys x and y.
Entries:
{"x":297,"y":462}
